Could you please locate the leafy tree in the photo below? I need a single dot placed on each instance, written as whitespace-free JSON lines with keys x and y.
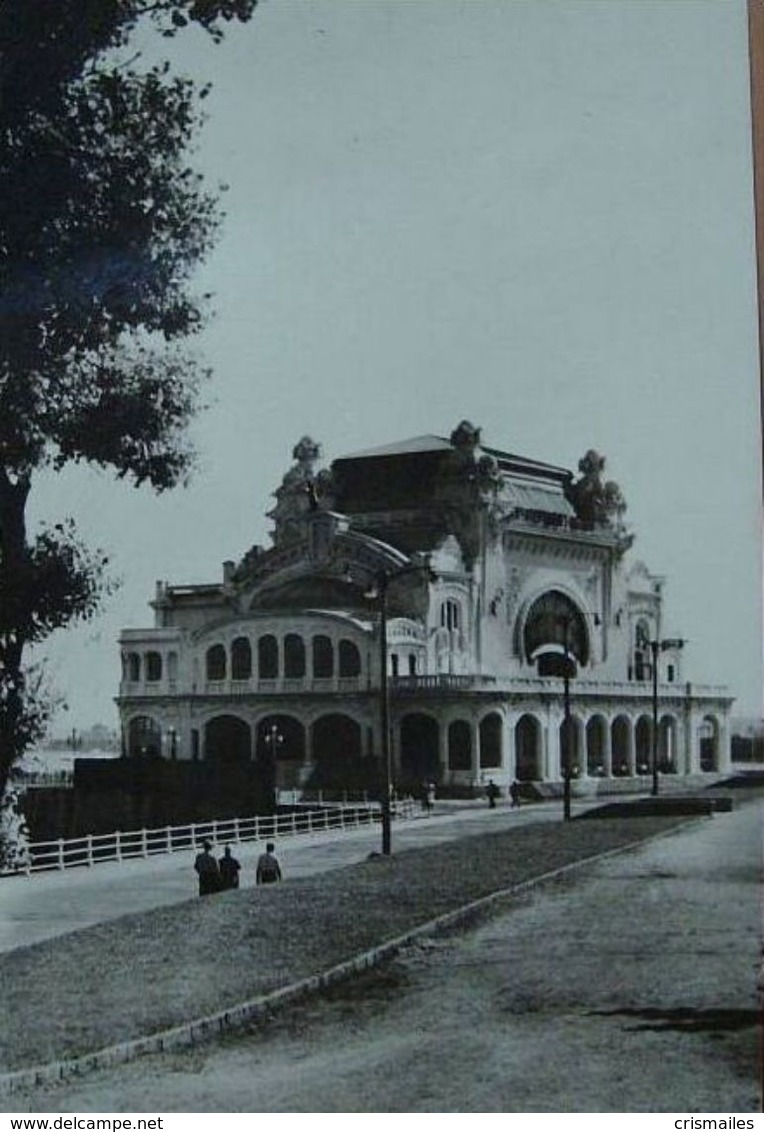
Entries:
{"x":102,"y":222}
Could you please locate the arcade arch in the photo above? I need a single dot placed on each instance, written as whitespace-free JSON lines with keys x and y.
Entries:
{"x":643,"y":744}
{"x":620,"y":736}
{"x":336,"y":745}
{"x":420,"y":736}
{"x":459,"y":745}
{"x":528,"y":749}
{"x":227,"y":740}
{"x":596,"y":739}
{"x":144,"y":737}
{"x":708,"y":740}
{"x":491,"y":728}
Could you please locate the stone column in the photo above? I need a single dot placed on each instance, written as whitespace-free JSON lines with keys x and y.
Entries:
{"x":443,"y":750}
{"x":607,"y":750}
{"x":692,"y":741}
{"x":508,"y":751}
{"x":579,"y":730}
{"x":307,"y":758}
{"x":475,"y":754}
{"x":551,"y":764}
{"x":631,"y":753}
{"x":725,"y":750}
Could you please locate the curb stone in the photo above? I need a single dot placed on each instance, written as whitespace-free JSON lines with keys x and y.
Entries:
{"x":237,"y":1016}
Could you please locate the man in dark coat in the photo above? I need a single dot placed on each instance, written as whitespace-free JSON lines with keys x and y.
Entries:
{"x":207,"y":870}
{"x":229,"y":869}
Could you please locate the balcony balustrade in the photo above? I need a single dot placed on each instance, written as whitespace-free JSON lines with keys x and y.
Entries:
{"x":627,"y":690}
{"x":282,"y":686}
{"x":442,"y":682}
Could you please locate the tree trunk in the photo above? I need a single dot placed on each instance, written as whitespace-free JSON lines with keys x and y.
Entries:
{"x":14,"y":619}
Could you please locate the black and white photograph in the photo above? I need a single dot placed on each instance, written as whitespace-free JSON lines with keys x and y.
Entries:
{"x":381,"y":722}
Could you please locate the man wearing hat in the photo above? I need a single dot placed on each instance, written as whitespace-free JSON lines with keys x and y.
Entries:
{"x":207,"y":870}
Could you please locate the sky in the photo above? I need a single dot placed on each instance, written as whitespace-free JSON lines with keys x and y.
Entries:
{"x":535,"y":215}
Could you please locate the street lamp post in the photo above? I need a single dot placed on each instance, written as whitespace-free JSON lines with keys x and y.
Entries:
{"x":273,"y":739}
{"x":566,"y":768}
{"x":657,"y":647}
{"x":384,"y":706}
{"x":172,"y":735}
{"x":381,"y":582}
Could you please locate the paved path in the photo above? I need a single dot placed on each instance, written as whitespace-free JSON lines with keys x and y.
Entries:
{"x":628,"y":989}
{"x":49,"y":904}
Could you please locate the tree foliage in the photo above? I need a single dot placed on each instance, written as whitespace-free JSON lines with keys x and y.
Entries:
{"x":102,"y":223}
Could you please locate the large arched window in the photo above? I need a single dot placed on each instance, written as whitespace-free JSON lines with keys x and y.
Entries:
{"x":153,"y":666}
{"x":294,"y":656}
{"x":350,"y":659}
{"x":267,"y":658}
{"x":216,"y":663}
{"x":323,"y":658}
{"x":554,"y":630}
{"x":133,"y":666}
{"x":241,"y":659}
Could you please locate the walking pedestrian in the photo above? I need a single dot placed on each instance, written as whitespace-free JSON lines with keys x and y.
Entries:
{"x":493,"y":793}
{"x":229,"y":870}
{"x":207,"y":870}
{"x":514,"y":793}
{"x":268,"y":868}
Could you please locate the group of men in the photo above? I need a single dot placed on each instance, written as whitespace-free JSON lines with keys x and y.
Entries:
{"x":217,"y":876}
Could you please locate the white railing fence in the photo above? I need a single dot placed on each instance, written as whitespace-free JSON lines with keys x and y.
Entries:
{"x":123,"y":845}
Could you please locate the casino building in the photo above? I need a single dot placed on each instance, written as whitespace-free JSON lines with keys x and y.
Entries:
{"x":497,"y":573}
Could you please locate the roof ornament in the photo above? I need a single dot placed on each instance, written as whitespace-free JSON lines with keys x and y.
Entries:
{"x":466,"y":437}
{"x":302,"y":491}
{"x":595,"y":502}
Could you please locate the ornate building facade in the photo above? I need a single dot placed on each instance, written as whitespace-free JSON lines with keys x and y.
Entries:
{"x":499,"y":574}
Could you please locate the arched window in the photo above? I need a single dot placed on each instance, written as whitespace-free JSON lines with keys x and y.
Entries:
{"x":412,"y":664}
{"x":450,"y":614}
{"x":267,"y":658}
{"x":294,"y":656}
{"x":323,"y":658}
{"x":350,"y":659}
{"x":216,"y":663}
{"x":394,"y":663}
{"x":133,"y":667}
{"x":153,"y":666}
{"x":241,"y":659}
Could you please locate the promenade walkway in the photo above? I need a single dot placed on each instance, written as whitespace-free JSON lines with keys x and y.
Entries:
{"x":627,"y":986}
{"x":45,"y":905}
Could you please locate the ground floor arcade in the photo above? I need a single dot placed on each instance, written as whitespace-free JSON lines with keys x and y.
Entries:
{"x":462,"y":741}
